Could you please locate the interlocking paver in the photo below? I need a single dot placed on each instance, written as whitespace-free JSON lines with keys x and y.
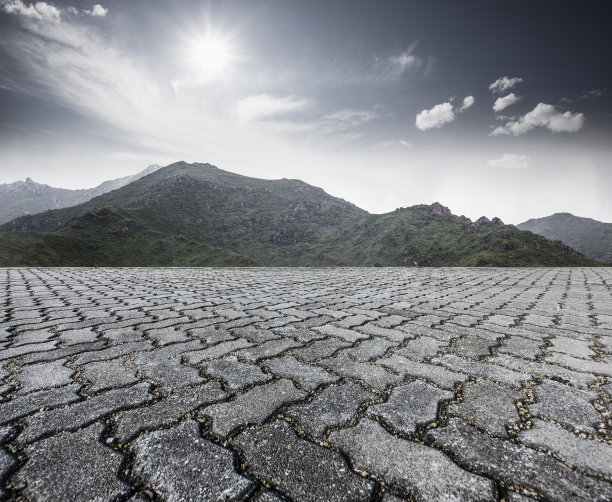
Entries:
{"x":298,"y":468}
{"x":179,"y":464}
{"x":334,"y":406}
{"x":418,"y":470}
{"x":255,"y":379}
{"x":410,"y":405}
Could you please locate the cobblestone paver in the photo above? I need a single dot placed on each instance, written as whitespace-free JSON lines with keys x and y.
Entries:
{"x":276,"y":385}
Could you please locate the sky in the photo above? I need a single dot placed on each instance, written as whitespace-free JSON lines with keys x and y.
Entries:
{"x":494,"y":109}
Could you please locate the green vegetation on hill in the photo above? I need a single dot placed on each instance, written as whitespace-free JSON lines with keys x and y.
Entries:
{"x":175,"y":214}
{"x":591,"y":237}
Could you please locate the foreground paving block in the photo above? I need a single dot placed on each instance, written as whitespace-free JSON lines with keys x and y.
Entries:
{"x":44,"y":376}
{"x":440,"y":376}
{"x":72,"y":467}
{"x":301,"y":470}
{"x":307,"y":376}
{"x":593,"y":457}
{"x":521,"y":347}
{"x":252,"y":407}
{"x":484,"y":370}
{"x":518,"y":465}
{"x":25,"y":405}
{"x":411,"y":405}
{"x":421,"y":348}
{"x":348,"y":335}
{"x":370,"y":349}
{"x":167,"y":411}
{"x":267,"y":349}
{"x":26,"y":349}
{"x":417,"y":470}
{"x":179,"y":464}
{"x":170,"y":374}
{"x":489,"y":406}
{"x":373,"y":376}
{"x":236,"y":374}
{"x":108,"y":374}
{"x":320,"y":349}
{"x":83,"y":412}
{"x":568,"y":406}
{"x":334,"y":406}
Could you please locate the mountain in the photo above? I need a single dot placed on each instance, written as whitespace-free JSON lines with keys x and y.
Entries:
{"x":280,"y":223}
{"x":591,"y":237}
{"x":28,"y":197}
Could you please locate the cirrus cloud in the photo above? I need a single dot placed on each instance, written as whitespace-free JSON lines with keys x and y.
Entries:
{"x":543,"y":115}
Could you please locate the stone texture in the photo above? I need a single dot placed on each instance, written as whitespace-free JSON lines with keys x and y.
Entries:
{"x":104,"y":375}
{"x":518,"y":465}
{"x":77,"y":464}
{"x":373,"y":376}
{"x":252,"y":407}
{"x":309,"y":377}
{"x":489,"y":406}
{"x":421,"y":348}
{"x":485,"y":370}
{"x":332,"y":407}
{"x":417,"y":470}
{"x":440,"y":376}
{"x":411,"y":405}
{"x":43,"y":376}
{"x":235,"y":374}
{"x":179,"y":464}
{"x":320,"y":349}
{"x":300,"y":469}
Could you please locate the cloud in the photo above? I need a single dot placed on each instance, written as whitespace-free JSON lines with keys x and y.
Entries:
{"x":503,"y":103}
{"x":40,"y":10}
{"x":468,"y":101}
{"x":348,"y":118}
{"x":510,"y":161}
{"x":436,"y":117}
{"x":97,"y":11}
{"x":504,"y":83}
{"x":265,"y":106}
{"x":543,"y":115}
{"x":593,"y":93}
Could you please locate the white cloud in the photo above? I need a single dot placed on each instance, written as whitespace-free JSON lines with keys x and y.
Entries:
{"x":593,"y":93}
{"x":265,"y":106}
{"x":510,"y":161}
{"x":436,"y":117}
{"x":97,"y":11}
{"x":40,"y":10}
{"x":504,"y":83}
{"x":503,"y":103}
{"x":543,"y":115}
{"x":468,"y":101}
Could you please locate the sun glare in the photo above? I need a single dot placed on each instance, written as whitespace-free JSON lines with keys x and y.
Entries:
{"x":211,"y":56}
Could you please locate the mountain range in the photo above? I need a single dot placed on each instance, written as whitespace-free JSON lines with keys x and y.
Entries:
{"x":591,"y":237}
{"x":199,"y":215}
{"x":28,"y":197}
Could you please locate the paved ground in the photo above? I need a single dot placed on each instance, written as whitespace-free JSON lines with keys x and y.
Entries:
{"x":306,"y":385}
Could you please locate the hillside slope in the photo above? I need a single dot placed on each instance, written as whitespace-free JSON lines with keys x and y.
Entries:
{"x":591,"y":237}
{"x":28,"y":197}
{"x":290,"y":223}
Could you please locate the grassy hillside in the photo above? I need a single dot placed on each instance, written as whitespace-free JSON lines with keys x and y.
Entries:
{"x":272,"y":222}
{"x":591,"y":237}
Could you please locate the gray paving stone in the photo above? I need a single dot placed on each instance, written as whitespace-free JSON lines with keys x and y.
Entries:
{"x":489,"y":406}
{"x":104,"y":375}
{"x":300,"y":334}
{"x":566,"y":405}
{"x":80,"y":414}
{"x":122,"y":335}
{"x":77,"y":464}
{"x":571,"y":346}
{"x":410,"y":406}
{"x":299,"y":469}
{"x":36,"y":336}
{"x":472,"y":347}
{"x":348,"y":335}
{"x":236,"y":374}
{"x":76,"y":336}
{"x":210,"y":335}
{"x":7,"y":461}
{"x":417,"y":470}
{"x":255,"y":335}
{"x":252,"y":407}
{"x":484,"y":370}
{"x":307,"y":376}
{"x":369,"y":349}
{"x":165,"y":336}
{"x":166,"y":411}
{"x":333,"y":406}
{"x":43,"y":376}
{"x":407,"y":368}
{"x":113,"y":352}
{"x":586,"y":365}
{"x":520,"y":347}
{"x":61,"y":353}
{"x":26,"y":349}
{"x":170,"y":374}
{"x":267,"y":349}
{"x":179,"y":464}
{"x":393,"y":335}
{"x":517,"y":465}
{"x":216,"y":351}
{"x":421,"y":348}
{"x":593,"y":457}
{"x":25,"y":405}
{"x":320,"y":349}
{"x":373,"y":376}
{"x":165,"y":353}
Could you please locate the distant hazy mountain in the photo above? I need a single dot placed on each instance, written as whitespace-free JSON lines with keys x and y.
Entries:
{"x":28,"y":197}
{"x":591,"y":237}
{"x":194,"y":213}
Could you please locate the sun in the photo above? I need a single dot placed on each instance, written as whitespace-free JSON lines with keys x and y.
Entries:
{"x":211,"y":56}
